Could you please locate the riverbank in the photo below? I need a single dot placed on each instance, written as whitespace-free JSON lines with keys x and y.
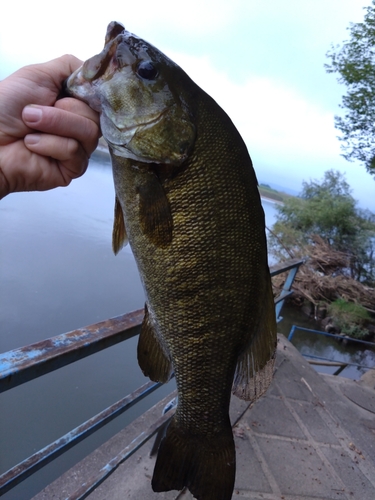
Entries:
{"x":270,"y":200}
{"x":272,"y":194}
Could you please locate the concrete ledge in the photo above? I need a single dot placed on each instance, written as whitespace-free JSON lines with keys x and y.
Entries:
{"x":305,"y":439}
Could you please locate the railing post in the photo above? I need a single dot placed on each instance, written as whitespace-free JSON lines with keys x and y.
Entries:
{"x":286,"y":290}
{"x":291,"y":333}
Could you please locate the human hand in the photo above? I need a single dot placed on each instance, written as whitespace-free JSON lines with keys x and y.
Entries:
{"x":44,"y":142}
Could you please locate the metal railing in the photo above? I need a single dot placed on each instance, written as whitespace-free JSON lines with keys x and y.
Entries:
{"x":292,"y":266}
{"x":323,"y":361}
{"x":27,"y":363}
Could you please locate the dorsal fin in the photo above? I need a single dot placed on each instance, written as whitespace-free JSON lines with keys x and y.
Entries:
{"x":119,"y":237}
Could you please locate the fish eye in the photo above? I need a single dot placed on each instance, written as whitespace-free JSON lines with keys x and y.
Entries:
{"x":147,"y":70}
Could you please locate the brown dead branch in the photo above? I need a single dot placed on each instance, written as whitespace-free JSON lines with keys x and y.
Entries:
{"x":324,"y":278}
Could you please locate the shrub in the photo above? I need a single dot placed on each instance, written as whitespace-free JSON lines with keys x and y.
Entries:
{"x":356,"y":332}
{"x":350,"y":317}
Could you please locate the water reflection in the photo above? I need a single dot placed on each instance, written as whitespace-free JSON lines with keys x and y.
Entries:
{"x":58,"y":271}
{"x":326,"y":347}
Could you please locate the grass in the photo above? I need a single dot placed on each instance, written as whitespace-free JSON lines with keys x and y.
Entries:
{"x":350,"y":317}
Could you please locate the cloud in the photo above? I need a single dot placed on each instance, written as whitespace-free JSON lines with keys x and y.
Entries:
{"x":269,"y":116}
{"x":286,"y":123}
{"x":273,"y":119}
{"x":290,"y":139}
{"x":32,"y":32}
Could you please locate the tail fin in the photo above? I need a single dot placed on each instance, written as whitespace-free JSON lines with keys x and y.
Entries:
{"x":207,"y":466}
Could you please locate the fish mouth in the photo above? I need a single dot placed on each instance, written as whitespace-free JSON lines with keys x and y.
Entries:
{"x":120,"y":50}
{"x":83,"y":81}
{"x":97,"y":65}
{"x":125,"y":83}
{"x":114,"y":29}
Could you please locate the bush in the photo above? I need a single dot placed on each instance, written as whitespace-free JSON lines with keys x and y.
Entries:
{"x":356,"y":332}
{"x":350,"y":317}
{"x":326,"y":208}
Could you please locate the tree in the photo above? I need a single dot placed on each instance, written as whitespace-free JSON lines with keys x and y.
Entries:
{"x":326,"y":208}
{"x":354,"y":61}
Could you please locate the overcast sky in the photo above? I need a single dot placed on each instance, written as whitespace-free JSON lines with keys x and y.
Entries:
{"x":263,"y":62}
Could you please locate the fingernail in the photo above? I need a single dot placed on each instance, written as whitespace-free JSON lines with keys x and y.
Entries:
{"x":32,"y":139}
{"x":32,"y":113}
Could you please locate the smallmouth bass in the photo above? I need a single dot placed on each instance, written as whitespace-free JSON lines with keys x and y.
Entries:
{"x":187,"y":201}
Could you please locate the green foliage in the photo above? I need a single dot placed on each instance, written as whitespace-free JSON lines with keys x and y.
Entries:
{"x":349,"y":312}
{"x":354,"y":61}
{"x":355,"y":331}
{"x":326,"y":208}
{"x":350,"y":317}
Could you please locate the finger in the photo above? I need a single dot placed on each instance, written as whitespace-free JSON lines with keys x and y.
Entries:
{"x":43,"y":82}
{"x":79,"y":108}
{"x":25,"y":170}
{"x":62,"y":67}
{"x":58,"y":122}
{"x":65,"y":150}
{"x":56,"y":70}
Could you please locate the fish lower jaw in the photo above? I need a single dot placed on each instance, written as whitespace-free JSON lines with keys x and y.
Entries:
{"x":122,"y":151}
{"x":129,"y":131}
{"x":78,"y":87}
{"x":121,"y":146}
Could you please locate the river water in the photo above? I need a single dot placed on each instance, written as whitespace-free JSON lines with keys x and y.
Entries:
{"x":58,"y":273}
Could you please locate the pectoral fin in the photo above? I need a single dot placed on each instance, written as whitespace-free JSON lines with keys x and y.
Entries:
{"x":153,"y":356}
{"x":255,"y":365}
{"x":119,"y":237}
{"x":154,"y":211}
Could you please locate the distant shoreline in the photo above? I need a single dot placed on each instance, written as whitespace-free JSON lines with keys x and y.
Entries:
{"x":271,"y":200}
{"x":102,"y":153}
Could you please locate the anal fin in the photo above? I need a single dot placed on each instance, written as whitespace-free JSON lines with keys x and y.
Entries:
{"x":153,"y":357}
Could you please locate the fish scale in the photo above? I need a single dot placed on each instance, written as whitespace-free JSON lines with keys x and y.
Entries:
{"x":187,"y":200}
